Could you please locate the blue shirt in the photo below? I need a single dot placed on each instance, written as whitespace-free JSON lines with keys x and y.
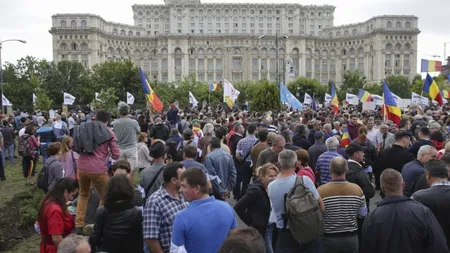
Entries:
{"x":323,"y":165}
{"x":279,"y":187}
{"x":219,"y":163}
{"x":192,"y":163}
{"x":203,"y":226}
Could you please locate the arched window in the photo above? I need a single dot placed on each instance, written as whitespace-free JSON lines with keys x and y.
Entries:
{"x":218,"y":52}
{"x":63,"y":46}
{"x":84,"y":47}
{"x":407,"y":25}
{"x":236,"y":51}
{"x":138,"y":34}
{"x":201,"y":51}
{"x":398,"y":47}
{"x":74,"y":46}
{"x":119,"y":51}
{"x":389,"y":24}
{"x":346,"y":33}
{"x":178,"y":51}
{"x":295,"y":51}
{"x":272,"y":52}
{"x":146,"y":53}
{"x":83,"y":24}
{"x":388,"y":46}
{"x":111,"y":51}
{"x":63,"y":24}
{"x":308,"y":51}
{"x":164,"y":51}
{"x":153,"y":52}
{"x":332,"y":53}
{"x":140,"y":13}
{"x":344,"y":52}
{"x":354,"y":32}
{"x":330,"y":35}
{"x":398,"y":25}
{"x":338,"y":34}
{"x":147,"y":13}
{"x":127,"y":52}
{"x":130,"y":33}
{"x":407,"y":46}
{"x":361,"y":51}
{"x":137,"y":53}
{"x":122,"y":32}
{"x":115,"y":31}
{"x":73,"y":24}
{"x":209,"y":51}
{"x":324,"y":54}
{"x":291,"y":12}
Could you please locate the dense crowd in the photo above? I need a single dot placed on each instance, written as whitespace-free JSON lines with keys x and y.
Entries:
{"x":299,"y":181}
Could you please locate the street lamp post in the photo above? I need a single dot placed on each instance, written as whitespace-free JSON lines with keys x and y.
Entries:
{"x":1,"y":68}
{"x":276,"y":55}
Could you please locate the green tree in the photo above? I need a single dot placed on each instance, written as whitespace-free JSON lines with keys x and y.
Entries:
{"x":352,"y":82}
{"x":399,"y":85}
{"x":373,"y":88}
{"x":266,"y":97}
{"x":106,"y":100}
{"x":42,"y":102}
{"x":307,"y":85}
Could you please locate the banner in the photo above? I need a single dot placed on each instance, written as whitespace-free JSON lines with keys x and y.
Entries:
{"x":34,"y":98}
{"x":308,"y":99}
{"x":418,"y":99}
{"x":192,"y":99}
{"x":6,"y":102}
{"x":230,"y":94}
{"x":351,"y":99}
{"x":377,"y":99}
{"x":68,"y":99}
{"x":328,"y":97}
{"x":130,"y":98}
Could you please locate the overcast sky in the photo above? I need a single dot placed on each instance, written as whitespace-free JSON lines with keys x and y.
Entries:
{"x":31,"y":19}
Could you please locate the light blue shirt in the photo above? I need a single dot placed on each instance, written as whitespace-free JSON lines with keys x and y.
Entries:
{"x":279,"y":187}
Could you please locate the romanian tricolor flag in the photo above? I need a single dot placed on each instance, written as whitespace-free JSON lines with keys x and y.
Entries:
{"x":214,"y":86}
{"x":154,"y":100}
{"x":364,"y":96}
{"x":334,"y":99}
{"x":391,"y":110}
{"x":345,"y":138}
{"x":430,"y":86}
{"x":430,"y":66}
{"x":445,"y":93}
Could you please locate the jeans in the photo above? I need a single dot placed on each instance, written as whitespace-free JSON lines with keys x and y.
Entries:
{"x":341,"y":244}
{"x":9,"y":151}
{"x":268,"y":238}
{"x":44,"y":152}
{"x":287,"y":244}
{"x":85,"y":179}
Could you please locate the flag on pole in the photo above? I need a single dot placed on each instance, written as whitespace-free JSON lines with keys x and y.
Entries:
{"x":334,"y":99}
{"x":346,"y":140}
{"x":214,"y":86}
{"x":6,"y":102}
{"x":34,"y":98}
{"x":391,"y":109}
{"x":151,"y":96}
{"x":130,"y":98}
{"x":313,"y":103}
{"x":430,"y":86}
{"x":351,"y":99}
{"x":287,"y":97}
{"x":364,"y":96}
{"x":192,"y":99}
{"x":307,"y":100}
{"x":68,"y":99}
{"x":230,"y":94}
{"x":445,"y":93}
{"x":328,"y":97}
{"x":96,"y":96}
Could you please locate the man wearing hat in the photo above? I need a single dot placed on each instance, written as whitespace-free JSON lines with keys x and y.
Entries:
{"x":395,"y":157}
{"x":356,"y":173}
{"x":158,"y":152}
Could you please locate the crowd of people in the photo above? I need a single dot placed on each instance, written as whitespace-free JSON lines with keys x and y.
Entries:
{"x":299,"y":181}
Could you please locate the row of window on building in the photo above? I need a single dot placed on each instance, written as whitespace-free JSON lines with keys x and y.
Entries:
{"x":236,"y":12}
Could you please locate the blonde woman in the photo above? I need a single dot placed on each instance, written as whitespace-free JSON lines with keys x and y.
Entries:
{"x":254,"y":207}
{"x":68,"y":158}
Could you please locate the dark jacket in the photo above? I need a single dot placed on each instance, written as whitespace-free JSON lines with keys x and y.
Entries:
{"x":89,"y":135}
{"x":291,"y":146}
{"x":234,"y":140}
{"x":370,"y":152}
{"x":353,"y":130}
{"x":301,"y":141}
{"x":118,"y":228}
{"x":419,"y":184}
{"x":254,"y":207}
{"x":314,"y":152}
{"x":400,"y":224}
{"x":416,"y":125}
{"x":410,"y":172}
{"x":160,"y":132}
{"x":311,"y":136}
{"x":357,"y":175}
{"x":414,"y":149}
{"x":437,"y":198}
{"x":176,"y":138}
{"x":394,"y":158}
{"x":172,"y":116}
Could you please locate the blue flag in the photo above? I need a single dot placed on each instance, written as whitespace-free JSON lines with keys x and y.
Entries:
{"x":448,"y":77}
{"x":313,"y":103}
{"x":287,"y":97}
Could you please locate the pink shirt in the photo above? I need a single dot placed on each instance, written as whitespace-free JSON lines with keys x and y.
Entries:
{"x":96,"y":163}
{"x":307,"y":171}
{"x":67,"y":163}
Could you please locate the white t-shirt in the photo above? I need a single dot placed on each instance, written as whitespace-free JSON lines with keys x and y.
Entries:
{"x":375,"y":136}
{"x":22,"y":131}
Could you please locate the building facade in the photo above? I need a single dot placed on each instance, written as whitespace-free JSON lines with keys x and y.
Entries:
{"x":241,"y":42}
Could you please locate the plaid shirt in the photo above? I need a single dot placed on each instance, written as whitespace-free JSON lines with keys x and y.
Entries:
{"x":245,"y":145}
{"x":159,"y":213}
{"x":445,"y":182}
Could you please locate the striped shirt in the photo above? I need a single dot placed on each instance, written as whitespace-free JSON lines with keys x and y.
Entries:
{"x":343,"y":202}
{"x":323,"y":165}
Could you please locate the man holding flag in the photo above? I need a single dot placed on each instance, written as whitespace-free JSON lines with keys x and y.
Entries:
{"x":151,"y":96}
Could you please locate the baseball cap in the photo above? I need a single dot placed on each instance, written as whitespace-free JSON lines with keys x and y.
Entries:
{"x":318,"y":135}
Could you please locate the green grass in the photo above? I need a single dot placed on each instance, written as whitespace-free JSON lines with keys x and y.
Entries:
{"x":29,"y":245}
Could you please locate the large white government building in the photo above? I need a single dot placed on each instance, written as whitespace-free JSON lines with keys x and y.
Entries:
{"x":241,"y":42}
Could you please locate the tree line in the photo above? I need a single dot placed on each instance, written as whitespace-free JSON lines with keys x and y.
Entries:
{"x":49,"y":80}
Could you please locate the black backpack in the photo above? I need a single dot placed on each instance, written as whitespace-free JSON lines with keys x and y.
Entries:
{"x":42,"y":178}
{"x":180,"y":155}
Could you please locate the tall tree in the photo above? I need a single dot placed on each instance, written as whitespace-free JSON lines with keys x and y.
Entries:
{"x":352,"y":82}
{"x":43,"y":102}
{"x":307,"y":85}
{"x":399,"y":85}
{"x":266,"y":97}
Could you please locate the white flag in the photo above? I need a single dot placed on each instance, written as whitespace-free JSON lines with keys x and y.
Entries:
{"x":34,"y":98}
{"x":351,"y":99}
{"x":192,"y":99}
{"x":307,"y":100}
{"x":68,"y":99}
{"x":96,"y":96}
{"x":377,"y":99}
{"x":230,"y":94}
{"x":130,"y":98}
{"x":327,"y":97}
{"x":6,"y":102}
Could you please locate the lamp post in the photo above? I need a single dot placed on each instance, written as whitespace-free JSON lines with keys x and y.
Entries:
{"x":1,"y":68}
{"x":276,"y":55}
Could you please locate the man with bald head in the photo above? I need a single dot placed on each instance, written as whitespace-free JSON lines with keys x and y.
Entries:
{"x":267,"y":155}
{"x":400,"y":224}
{"x":344,"y":202}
